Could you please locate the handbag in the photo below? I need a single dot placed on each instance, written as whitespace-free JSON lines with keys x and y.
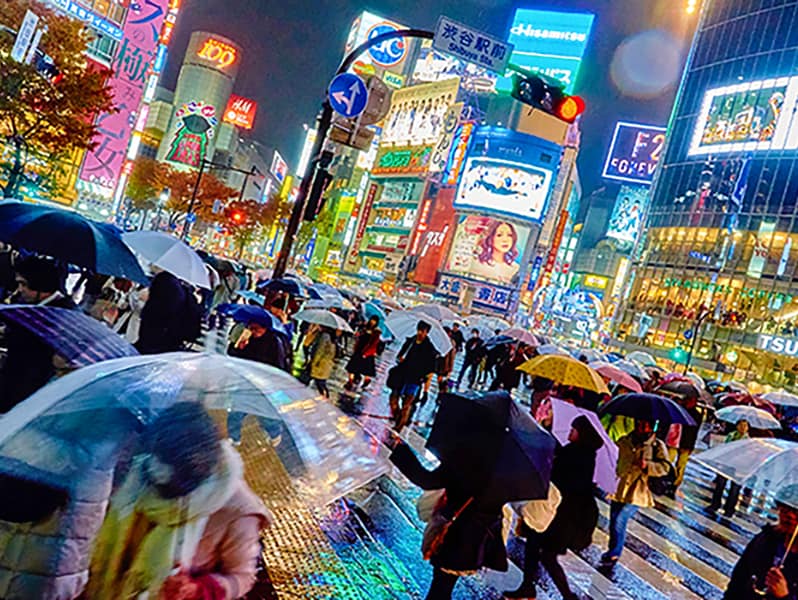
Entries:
{"x":437,"y":528}
{"x":665,"y":484}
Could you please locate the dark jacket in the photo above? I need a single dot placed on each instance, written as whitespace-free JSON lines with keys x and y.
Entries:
{"x":418,"y":359}
{"x":162,"y":318}
{"x":474,"y":350}
{"x":689,"y":436}
{"x":271,"y":349}
{"x":29,"y":361}
{"x":577,"y":514}
{"x":757,"y":559}
{"x":474,"y":540}
{"x":458,"y":340}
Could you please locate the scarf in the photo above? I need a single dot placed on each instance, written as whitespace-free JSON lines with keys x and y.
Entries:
{"x":145,"y":537}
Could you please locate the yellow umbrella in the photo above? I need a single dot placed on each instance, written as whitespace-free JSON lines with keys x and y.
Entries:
{"x":565,"y":371}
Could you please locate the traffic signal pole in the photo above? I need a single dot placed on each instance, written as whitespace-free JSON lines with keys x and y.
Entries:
{"x":324,"y":123}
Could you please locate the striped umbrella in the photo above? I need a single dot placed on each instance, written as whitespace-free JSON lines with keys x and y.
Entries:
{"x":75,"y":336}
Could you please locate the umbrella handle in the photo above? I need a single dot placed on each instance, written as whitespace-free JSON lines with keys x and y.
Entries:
{"x":789,"y":547}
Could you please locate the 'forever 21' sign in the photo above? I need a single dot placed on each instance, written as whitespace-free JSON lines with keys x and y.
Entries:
{"x":634,"y":153}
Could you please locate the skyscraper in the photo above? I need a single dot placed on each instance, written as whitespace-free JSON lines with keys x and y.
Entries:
{"x":715,"y":271}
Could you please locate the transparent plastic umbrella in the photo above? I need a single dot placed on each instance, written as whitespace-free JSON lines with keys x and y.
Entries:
{"x":402,"y":324}
{"x":95,"y":409}
{"x":633,"y":368}
{"x":323,"y":317}
{"x":644,"y":358}
{"x":781,"y":398}
{"x":756,"y":417}
{"x":437,"y":312}
{"x":170,"y":254}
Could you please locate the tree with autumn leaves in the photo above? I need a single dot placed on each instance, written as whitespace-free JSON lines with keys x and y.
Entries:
{"x":41,"y":118}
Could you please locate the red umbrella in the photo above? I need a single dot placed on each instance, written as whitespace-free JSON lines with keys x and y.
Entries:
{"x":746,"y":399}
{"x":612,"y":373}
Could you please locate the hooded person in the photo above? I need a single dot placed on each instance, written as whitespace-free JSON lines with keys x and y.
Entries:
{"x":29,"y":359}
{"x":577,"y":514}
{"x":183,"y":524}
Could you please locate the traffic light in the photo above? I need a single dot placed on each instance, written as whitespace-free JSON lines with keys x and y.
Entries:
{"x":46,"y":67}
{"x":321,"y":180}
{"x":678,"y":355}
{"x":548,"y":96}
{"x":237,"y":217}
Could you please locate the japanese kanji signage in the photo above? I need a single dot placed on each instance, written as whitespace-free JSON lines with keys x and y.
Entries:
{"x":486,"y":296}
{"x":137,"y":52}
{"x":472,"y":45}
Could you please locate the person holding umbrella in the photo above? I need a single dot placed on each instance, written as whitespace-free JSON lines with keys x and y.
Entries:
{"x":576,"y":516}
{"x":474,"y":351}
{"x":640,"y":456}
{"x":740,"y":433}
{"x":416,"y":361}
{"x":170,"y":317}
{"x":29,"y":360}
{"x":364,"y":355}
{"x":768,"y":568}
{"x":322,"y":360}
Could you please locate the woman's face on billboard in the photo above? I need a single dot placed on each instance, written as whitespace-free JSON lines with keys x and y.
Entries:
{"x":503,"y":240}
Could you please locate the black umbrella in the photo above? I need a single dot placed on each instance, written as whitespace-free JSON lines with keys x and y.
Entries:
{"x":70,"y":237}
{"x":493,"y":444}
{"x":286,"y":285}
{"x":647,"y":407}
{"x":499,"y":340}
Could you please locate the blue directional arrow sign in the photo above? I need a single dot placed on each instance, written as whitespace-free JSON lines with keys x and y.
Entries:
{"x":348,"y":95}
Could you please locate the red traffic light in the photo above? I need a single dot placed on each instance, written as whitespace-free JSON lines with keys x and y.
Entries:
{"x":570,"y":107}
{"x":237,"y":216}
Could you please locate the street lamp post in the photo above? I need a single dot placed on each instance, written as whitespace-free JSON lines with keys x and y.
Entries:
{"x":696,"y":327}
{"x":324,"y":123}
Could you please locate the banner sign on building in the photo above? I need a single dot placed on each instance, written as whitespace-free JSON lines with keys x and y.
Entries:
{"x":437,"y":222}
{"x":634,"y":153}
{"x":402,"y":161}
{"x":487,"y":249}
{"x":240,"y":112}
{"x":279,"y":167}
{"x":103,"y":165}
{"x":417,"y":113}
{"x":440,"y":154}
{"x":391,"y":54}
{"x":486,"y":296}
{"x":753,"y":116}
{"x":627,"y":216}
{"x":196,"y":126}
{"x":472,"y":45}
{"x":548,"y":42}
{"x":508,"y":173}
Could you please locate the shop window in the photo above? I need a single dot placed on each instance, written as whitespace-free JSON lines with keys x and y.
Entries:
{"x":103,"y":47}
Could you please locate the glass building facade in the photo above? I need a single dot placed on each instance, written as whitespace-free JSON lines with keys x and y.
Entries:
{"x":715,"y":271}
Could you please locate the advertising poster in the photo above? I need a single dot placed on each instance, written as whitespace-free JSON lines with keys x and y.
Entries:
{"x":417,"y":113}
{"x":196,"y":124}
{"x":750,"y":116}
{"x":432,"y":65}
{"x":137,"y":51}
{"x":391,"y":54}
{"x":634,"y":153}
{"x":487,"y":249}
{"x":240,"y":112}
{"x":508,"y":173}
{"x":627,"y":216}
{"x":434,"y":234}
{"x":548,"y":42}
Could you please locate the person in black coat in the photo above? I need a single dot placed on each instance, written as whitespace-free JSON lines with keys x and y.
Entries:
{"x":29,"y":359}
{"x":474,"y":351}
{"x":760,"y":573}
{"x":417,"y":360}
{"x":474,"y":539}
{"x":164,"y":316}
{"x":577,"y":514}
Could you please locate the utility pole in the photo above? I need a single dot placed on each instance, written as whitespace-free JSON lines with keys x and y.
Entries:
{"x":324,"y":122}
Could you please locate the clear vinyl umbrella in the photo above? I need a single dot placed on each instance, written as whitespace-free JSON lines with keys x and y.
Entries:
{"x":403,"y":324}
{"x":94,"y":410}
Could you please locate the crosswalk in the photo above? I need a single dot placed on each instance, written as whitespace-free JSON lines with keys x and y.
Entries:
{"x":675,"y":550}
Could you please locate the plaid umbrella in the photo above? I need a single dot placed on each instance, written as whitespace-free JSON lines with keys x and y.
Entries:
{"x":75,"y":336}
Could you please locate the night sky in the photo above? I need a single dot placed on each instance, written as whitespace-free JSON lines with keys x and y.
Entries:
{"x":292,"y":48}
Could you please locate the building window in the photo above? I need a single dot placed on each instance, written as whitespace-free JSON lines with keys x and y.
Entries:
{"x":103,"y":47}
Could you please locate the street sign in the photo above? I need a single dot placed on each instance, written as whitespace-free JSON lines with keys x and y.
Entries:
{"x":344,"y":131}
{"x":191,"y":218}
{"x":348,"y":95}
{"x":24,"y":36}
{"x":688,"y":335}
{"x":379,"y":102}
{"x":472,"y":45}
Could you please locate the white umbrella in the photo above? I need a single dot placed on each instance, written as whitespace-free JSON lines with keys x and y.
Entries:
{"x":781,"y":398}
{"x":633,"y":368}
{"x":330,"y":302}
{"x":644,"y":358}
{"x":403,"y":324}
{"x":697,"y":380}
{"x":756,"y":417}
{"x":437,"y":312}
{"x":489,"y":324}
{"x":551,"y":349}
{"x":323,"y":317}
{"x":170,"y":254}
{"x":521,"y":335}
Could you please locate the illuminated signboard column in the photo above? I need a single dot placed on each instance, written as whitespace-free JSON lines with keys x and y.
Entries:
{"x":204,"y":87}
{"x":137,"y":55}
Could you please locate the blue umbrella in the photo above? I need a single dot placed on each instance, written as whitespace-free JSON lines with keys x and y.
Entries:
{"x":253,"y":296}
{"x":246,"y":313}
{"x":370,"y":309}
{"x":493,"y":444}
{"x":70,"y":237}
{"x":286,"y":285}
{"x":75,"y":336}
{"x":647,"y":407}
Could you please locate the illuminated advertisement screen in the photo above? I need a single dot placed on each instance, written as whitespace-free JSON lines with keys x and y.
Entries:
{"x":487,"y":249}
{"x":279,"y":167}
{"x":417,"y":113}
{"x":432,"y":65}
{"x":240,"y":112}
{"x":548,"y":42}
{"x":751,"y":116}
{"x":627,"y":216}
{"x":634,"y":153}
{"x":103,"y":165}
{"x":436,"y":226}
{"x":391,"y":54}
{"x":508,"y":173}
